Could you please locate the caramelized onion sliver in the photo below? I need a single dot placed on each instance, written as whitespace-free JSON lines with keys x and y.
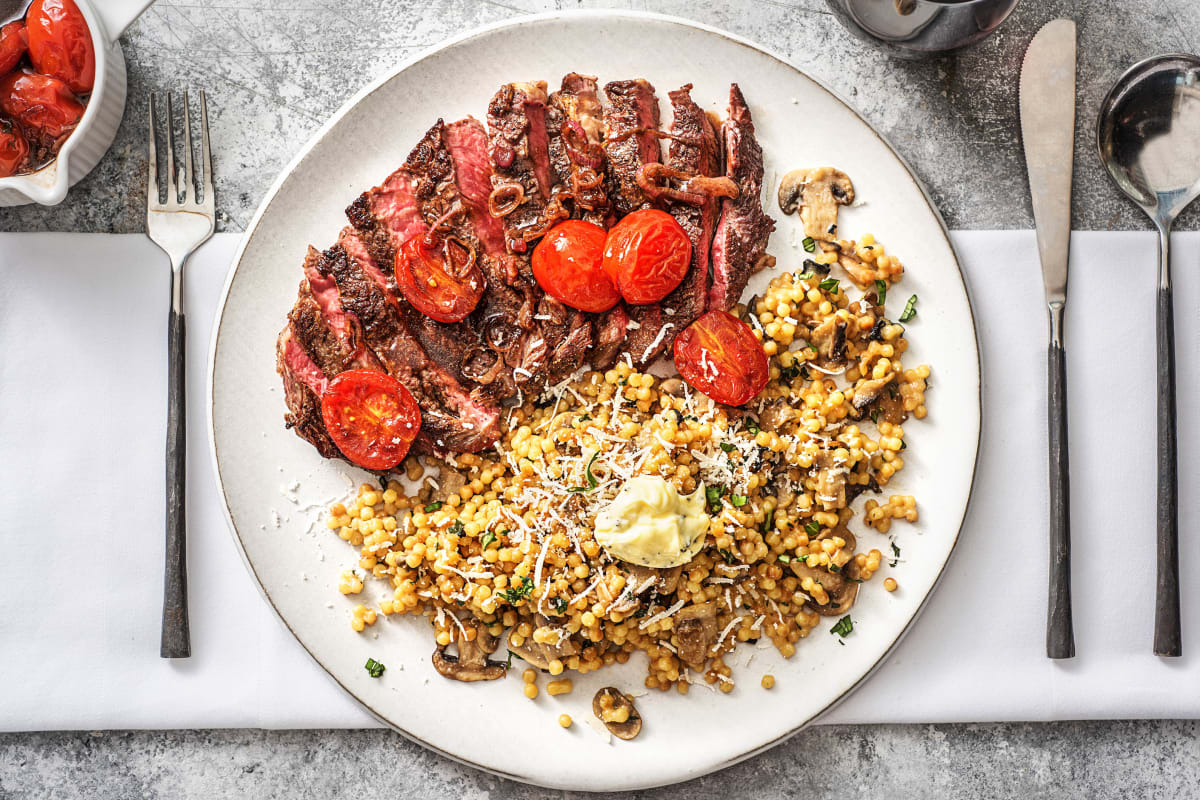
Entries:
{"x":505,"y":199}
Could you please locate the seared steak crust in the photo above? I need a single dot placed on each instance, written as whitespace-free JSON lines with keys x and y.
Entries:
{"x":520,"y":158}
{"x":630,"y":125}
{"x":300,"y":394}
{"x":744,"y":227}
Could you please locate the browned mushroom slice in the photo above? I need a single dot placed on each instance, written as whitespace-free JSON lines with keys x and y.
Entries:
{"x":662,"y":581}
{"x":617,"y":712}
{"x":868,"y":391}
{"x":471,"y":663}
{"x":817,"y":193}
{"x":540,"y":655}
{"x":842,"y":588}
{"x":830,"y":340}
{"x":831,"y":481}
{"x":775,"y":414}
{"x":695,"y":631}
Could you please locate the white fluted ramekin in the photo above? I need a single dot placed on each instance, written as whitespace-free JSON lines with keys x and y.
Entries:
{"x":107,"y":20}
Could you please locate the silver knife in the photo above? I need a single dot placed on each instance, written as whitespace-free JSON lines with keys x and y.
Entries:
{"x":1047,"y":99}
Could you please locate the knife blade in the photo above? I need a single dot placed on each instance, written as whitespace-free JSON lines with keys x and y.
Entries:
{"x":1047,"y":99}
{"x":1047,"y":106}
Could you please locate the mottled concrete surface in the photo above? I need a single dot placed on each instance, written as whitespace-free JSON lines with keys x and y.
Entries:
{"x":275,"y":69}
{"x":1099,"y":761}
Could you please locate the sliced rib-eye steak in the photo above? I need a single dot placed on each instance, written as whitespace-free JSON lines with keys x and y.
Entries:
{"x":694,"y":151}
{"x":630,"y":140}
{"x":575,"y":127}
{"x":744,"y":227}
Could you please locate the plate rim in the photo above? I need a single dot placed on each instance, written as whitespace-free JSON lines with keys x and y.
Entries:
{"x":374,"y":85}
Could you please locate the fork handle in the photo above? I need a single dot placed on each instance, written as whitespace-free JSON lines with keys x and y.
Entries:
{"x":1060,"y":634}
{"x":1167,"y":636}
{"x":176,"y":637}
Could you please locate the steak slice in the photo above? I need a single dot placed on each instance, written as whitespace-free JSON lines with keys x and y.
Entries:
{"x":332,"y":337}
{"x":519,"y":152}
{"x":451,"y":417}
{"x":694,"y":151}
{"x":611,"y":327}
{"x":630,"y":140}
{"x":744,"y":227}
{"x":575,"y":127}
{"x":387,"y":216}
{"x":303,"y":384}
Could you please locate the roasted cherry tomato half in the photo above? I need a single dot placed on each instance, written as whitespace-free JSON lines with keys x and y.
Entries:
{"x":60,"y":44}
{"x":41,"y":104}
{"x":719,"y":356}
{"x":13,"y":149}
{"x":371,"y":417}
{"x":647,"y":255}
{"x":439,"y":276}
{"x":568,"y":265}
{"x":12,"y":46}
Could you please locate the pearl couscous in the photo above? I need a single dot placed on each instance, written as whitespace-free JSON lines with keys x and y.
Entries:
{"x":499,"y":547}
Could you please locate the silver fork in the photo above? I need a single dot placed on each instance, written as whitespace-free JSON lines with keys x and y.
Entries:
{"x":178,"y":227}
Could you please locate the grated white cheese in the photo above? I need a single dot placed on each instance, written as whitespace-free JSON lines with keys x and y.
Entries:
{"x":661,"y":615}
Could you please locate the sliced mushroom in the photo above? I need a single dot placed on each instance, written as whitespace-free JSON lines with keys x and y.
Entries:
{"x":617,"y":712}
{"x":775,"y":414}
{"x":695,"y":631}
{"x":865,"y":274}
{"x":816,"y":193}
{"x":842,"y":591}
{"x":672,"y":386}
{"x":831,"y":481}
{"x":830,"y":340}
{"x":868,"y":391}
{"x":664,"y":580}
{"x":540,"y":655}
{"x":471,"y":664}
{"x":449,"y":481}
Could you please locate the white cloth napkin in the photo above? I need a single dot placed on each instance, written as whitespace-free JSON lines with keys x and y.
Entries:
{"x":82,"y":420}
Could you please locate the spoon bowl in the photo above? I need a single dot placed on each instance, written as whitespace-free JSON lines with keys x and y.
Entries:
{"x":1148,"y":135}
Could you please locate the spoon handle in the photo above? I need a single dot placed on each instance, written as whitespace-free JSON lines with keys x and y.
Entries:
{"x":1060,"y":635}
{"x":1167,"y":638}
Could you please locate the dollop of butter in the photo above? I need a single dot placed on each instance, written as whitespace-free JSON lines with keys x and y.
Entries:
{"x":651,"y":524}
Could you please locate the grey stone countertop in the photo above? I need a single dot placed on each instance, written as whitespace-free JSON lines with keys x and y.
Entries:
{"x":276,"y":69}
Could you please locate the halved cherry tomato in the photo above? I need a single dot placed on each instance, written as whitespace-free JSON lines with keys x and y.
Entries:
{"x":41,"y":104}
{"x":371,"y":417}
{"x":12,"y":46}
{"x":568,"y":265}
{"x":60,"y":44}
{"x":647,"y":255}
{"x":719,"y":356}
{"x":13,"y":149}
{"x":439,"y":276}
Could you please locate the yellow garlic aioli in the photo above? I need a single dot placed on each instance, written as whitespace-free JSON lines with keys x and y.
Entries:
{"x":651,"y":524}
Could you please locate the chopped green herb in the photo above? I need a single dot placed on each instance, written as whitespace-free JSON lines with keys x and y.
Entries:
{"x":769,"y":521}
{"x":383,"y":482}
{"x":728,"y":556}
{"x":519,"y":593}
{"x":843,"y":627}
{"x":812,"y":347}
{"x":880,"y":292}
{"x":895,"y":555}
{"x":903,"y":445}
{"x":727,"y":447}
{"x":592,"y":483}
{"x":784,"y":558}
{"x":691,"y":418}
{"x":432,"y":507}
{"x":486,"y":541}
{"x":585,"y":417}
{"x":807,"y":276}
{"x":875,"y":416}
{"x":712,"y":495}
{"x":789,"y":373}
{"x":910,"y":309}
{"x":830,"y":285}
{"x":812,"y":528}
{"x":738,"y":500}
{"x":809,"y":244}
{"x":456,"y":528}
{"x":752,"y":426}
{"x":559,"y":603}
{"x":374,"y":668}
{"x":511,"y":655}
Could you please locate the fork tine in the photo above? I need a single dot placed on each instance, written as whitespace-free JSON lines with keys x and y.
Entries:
{"x":152,"y":196}
{"x":172,"y":193}
{"x":189,"y":194}
{"x":207,"y":153}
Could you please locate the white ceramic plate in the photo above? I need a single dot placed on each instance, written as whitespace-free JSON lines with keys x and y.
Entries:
{"x":492,"y":725}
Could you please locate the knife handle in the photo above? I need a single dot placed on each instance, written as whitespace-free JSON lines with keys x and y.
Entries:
{"x":1060,"y":636}
{"x":1167,"y":637}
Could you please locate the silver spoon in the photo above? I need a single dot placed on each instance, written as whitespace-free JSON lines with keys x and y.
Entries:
{"x":1148,"y":134}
